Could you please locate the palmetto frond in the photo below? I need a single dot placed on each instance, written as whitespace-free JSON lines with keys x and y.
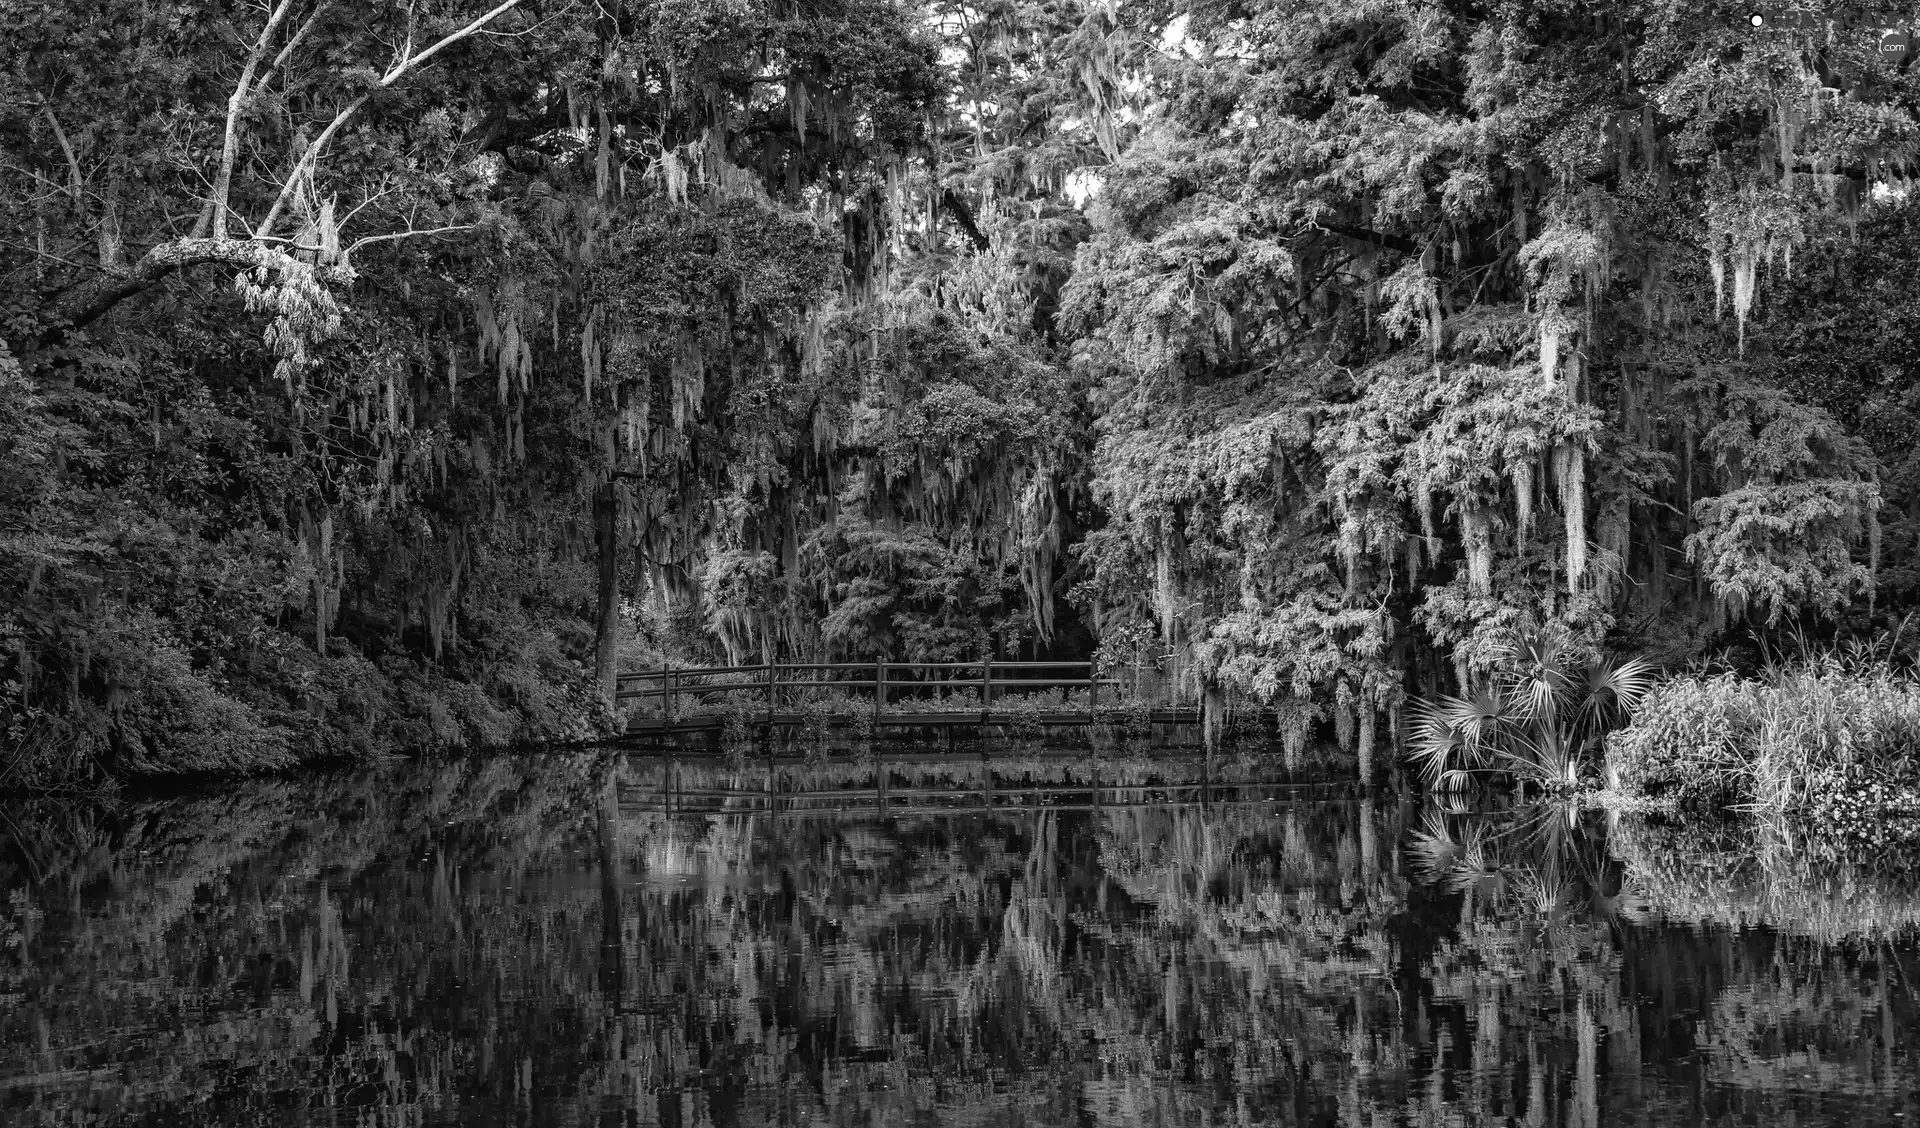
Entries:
{"x":1539,"y":718}
{"x":1434,"y":847}
{"x":1538,"y":648}
{"x":1618,"y":684}
{"x":1478,"y":719}
{"x":1539,"y":675}
{"x":1610,"y":690}
{"x":1432,"y":741}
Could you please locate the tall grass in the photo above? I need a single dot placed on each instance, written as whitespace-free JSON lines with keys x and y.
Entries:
{"x":1828,"y":736}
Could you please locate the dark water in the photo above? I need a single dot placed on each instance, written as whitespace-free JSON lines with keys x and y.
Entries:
{"x":539,"y":942}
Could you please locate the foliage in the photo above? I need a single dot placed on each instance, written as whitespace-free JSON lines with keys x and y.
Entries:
{"x":1422,"y":335}
{"x":461,"y":275}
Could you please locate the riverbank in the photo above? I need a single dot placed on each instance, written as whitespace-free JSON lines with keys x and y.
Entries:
{"x":1820,"y":740}
{"x":280,"y":705}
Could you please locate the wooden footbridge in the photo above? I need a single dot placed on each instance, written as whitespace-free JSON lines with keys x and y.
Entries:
{"x":885,"y":695}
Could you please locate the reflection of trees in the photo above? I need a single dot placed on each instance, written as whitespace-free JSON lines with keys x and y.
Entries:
{"x":1566,"y":914}
{"x":321,"y":942}
{"x":1739,"y":874}
{"x":493,"y":937}
{"x":1813,"y":987}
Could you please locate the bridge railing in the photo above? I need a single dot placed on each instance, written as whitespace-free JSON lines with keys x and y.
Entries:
{"x":882,"y":682}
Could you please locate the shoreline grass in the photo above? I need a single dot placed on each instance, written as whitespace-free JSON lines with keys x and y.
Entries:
{"x":1821,"y":739}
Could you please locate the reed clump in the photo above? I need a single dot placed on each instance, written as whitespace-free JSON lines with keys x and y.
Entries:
{"x":1824,"y":737}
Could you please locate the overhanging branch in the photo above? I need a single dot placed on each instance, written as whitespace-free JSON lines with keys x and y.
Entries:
{"x":84,"y":302}
{"x":1374,"y":238}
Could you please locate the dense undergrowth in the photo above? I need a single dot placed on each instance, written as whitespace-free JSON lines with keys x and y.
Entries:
{"x":278,"y":704}
{"x":1819,"y":739}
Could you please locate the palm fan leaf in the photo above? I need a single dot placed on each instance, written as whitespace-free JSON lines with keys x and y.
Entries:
{"x":1545,"y":755}
{"x":1432,"y":740}
{"x":1434,"y":847}
{"x":1479,"y":719}
{"x":1539,"y":677}
{"x":1618,"y":686}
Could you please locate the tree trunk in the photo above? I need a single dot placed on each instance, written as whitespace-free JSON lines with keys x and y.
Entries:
{"x":606,"y":649}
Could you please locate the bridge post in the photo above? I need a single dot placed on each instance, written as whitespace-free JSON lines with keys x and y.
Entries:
{"x":770,"y":676}
{"x":986,"y":688}
{"x":1093,"y":692}
{"x":666,"y":679}
{"x":879,"y":688}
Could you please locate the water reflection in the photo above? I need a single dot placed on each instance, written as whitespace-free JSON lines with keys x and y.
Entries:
{"x":564,"y":941}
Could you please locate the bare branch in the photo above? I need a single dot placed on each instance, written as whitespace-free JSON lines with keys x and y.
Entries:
{"x":525,"y":31}
{"x":49,"y":255}
{"x":304,"y":165}
{"x":407,"y":51}
{"x":385,"y":190}
{"x":229,"y":147}
{"x":73,"y":162}
{"x":401,"y":68}
{"x":293,"y":43}
{"x":408,"y":234}
{"x":54,"y":188}
{"x":394,"y":75}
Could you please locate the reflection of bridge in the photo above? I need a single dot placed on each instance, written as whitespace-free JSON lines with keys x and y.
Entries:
{"x":894,"y":694}
{"x":884,"y":799}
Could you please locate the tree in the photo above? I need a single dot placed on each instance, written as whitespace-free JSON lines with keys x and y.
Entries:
{"x":287,"y":42}
{"x":1415,"y":324}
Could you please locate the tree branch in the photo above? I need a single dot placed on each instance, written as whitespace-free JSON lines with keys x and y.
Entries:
{"x":294,"y":43}
{"x":419,"y":60}
{"x":1376,"y":238}
{"x":953,"y":205}
{"x":410,"y":233}
{"x":73,"y":162}
{"x":400,"y":69}
{"x":230,"y":141}
{"x":83,"y":302}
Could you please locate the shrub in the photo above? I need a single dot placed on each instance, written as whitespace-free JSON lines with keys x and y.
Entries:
{"x":173,"y":718}
{"x":1802,"y":739}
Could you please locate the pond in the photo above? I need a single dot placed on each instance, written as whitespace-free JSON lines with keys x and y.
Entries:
{"x":579,"y":939}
